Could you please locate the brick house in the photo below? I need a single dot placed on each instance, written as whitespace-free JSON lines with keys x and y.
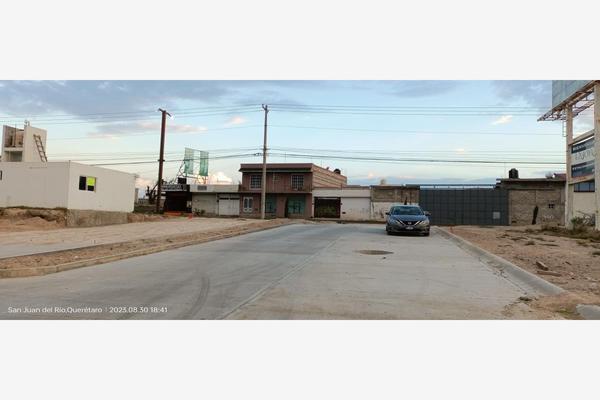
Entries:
{"x":289,"y":188}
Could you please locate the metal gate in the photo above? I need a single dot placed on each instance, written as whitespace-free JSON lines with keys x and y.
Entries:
{"x":465,"y":206}
{"x":327,"y":207}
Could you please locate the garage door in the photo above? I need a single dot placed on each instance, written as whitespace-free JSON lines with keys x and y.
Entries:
{"x":327,"y":207}
{"x":229,"y":205}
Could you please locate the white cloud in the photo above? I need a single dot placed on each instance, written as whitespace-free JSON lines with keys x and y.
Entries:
{"x":143,"y":182}
{"x":505,"y":119}
{"x":128,"y":128}
{"x":219,"y":178}
{"x":235,"y":120}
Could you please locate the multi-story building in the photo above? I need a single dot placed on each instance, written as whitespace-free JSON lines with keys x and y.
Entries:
{"x":23,"y":145}
{"x":289,"y":188}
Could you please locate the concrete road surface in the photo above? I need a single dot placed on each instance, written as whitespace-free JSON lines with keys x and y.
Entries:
{"x":301,"y":271}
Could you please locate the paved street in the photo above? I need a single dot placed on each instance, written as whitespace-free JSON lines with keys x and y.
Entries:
{"x":300,"y":271}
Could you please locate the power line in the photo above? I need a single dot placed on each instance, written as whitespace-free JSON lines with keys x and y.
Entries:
{"x":149,"y":112}
{"x":427,"y":132}
{"x":207,"y":131}
{"x":426,"y":160}
{"x":180,"y":160}
{"x":130,"y":118}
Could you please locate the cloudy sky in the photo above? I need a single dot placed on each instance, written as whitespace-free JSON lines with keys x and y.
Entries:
{"x":401,"y":131}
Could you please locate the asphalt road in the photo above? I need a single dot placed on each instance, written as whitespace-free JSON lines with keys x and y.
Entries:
{"x":300,"y":271}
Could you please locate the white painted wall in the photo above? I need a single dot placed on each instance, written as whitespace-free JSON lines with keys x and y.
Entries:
{"x":583,"y":203}
{"x":30,"y":150}
{"x":206,"y":202}
{"x":34,"y":184}
{"x":194,"y":188}
{"x":115,"y":190}
{"x":344,"y":192}
{"x":56,"y":184}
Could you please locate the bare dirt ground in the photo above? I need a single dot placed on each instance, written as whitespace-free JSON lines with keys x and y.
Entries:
{"x":120,"y":233}
{"x":119,"y":239}
{"x":571,"y":263}
{"x":31,"y":219}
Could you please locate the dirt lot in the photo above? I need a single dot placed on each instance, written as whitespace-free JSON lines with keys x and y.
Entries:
{"x":32,"y":219}
{"x":571,"y":263}
{"x":113,"y":240}
{"x":120,"y":233}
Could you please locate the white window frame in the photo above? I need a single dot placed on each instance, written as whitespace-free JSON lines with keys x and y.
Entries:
{"x":252,"y":183}
{"x":299,"y":179}
{"x":248,"y":204}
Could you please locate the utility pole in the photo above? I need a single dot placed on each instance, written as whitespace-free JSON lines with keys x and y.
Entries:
{"x":161,"y":159}
{"x":263,"y":183}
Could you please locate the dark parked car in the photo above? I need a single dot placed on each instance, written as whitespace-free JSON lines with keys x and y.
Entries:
{"x":407,"y":218}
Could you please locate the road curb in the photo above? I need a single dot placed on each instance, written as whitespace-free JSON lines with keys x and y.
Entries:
{"x":50,"y":269}
{"x":588,"y":311}
{"x":507,"y":269}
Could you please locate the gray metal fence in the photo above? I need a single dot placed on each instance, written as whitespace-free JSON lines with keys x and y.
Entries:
{"x":465,"y":205}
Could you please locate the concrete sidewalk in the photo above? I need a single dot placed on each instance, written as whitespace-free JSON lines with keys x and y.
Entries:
{"x":36,"y":242}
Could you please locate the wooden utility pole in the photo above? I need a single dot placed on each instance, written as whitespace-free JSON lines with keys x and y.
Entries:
{"x":263,"y":182}
{"x":161,"y":159}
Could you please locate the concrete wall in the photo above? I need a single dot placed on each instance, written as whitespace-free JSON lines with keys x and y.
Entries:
{"x":383,"y":197}
{"x":37,"y":184}
{"x":115,"y":190}
{"x":84,"y":218}
{"x":550,"y":203}
{"x":205,"y":204}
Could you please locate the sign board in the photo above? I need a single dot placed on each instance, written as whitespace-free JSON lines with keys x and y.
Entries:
{"x":562,"y":90}
{"x":195,"y":162}
{"x":188,"y":161}
{"x":583,"y":156}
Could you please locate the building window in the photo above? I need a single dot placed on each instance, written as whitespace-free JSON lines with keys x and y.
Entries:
{"x":551,"y":206}
{"x":0,"y":175}
{"x":584,"y":187}
{"x":247,"y":204}
{"x":87,"y":183}
{"x":255,"y":181}
{"x":297,"y":182}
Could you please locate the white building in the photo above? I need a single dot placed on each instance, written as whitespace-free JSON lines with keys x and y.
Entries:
{"x":65,"y":185}
{"x":569,"y":100}
{"x":23,"y":145}
{"x":211,"y":200}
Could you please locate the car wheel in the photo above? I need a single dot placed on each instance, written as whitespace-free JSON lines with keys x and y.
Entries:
{"x":426,"y":234}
